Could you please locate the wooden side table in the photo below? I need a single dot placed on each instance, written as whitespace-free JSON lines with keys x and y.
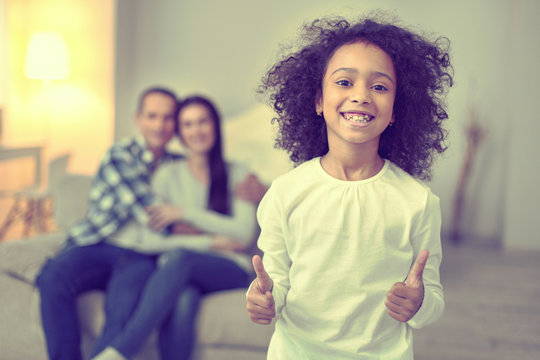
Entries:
{"x":31,"y":208}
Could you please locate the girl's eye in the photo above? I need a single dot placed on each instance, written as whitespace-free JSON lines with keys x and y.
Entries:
{"x":344,"y":83}
{"x":379,"y":88}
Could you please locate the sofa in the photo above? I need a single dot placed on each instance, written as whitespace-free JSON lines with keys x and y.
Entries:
{"x":224,"y":330}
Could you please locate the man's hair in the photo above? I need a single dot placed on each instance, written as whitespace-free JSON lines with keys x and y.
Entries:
{"x":156,"y":90}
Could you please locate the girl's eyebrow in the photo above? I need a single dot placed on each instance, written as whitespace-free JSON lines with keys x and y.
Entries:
{"x":352,"y":70}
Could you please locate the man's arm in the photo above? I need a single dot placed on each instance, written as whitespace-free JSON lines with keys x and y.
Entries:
{"x":251,"y":189}
{"x":130,"y":182}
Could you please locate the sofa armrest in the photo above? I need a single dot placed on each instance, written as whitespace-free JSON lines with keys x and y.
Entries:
{"x":24,"y":258}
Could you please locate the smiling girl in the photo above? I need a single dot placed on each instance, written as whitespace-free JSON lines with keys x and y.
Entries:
{"x":351,"y":236}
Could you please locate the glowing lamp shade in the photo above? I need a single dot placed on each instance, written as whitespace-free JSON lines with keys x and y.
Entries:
{"x":47,"y":57}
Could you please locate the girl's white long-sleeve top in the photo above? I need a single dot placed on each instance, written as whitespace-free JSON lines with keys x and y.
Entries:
{"x":334,"y":249}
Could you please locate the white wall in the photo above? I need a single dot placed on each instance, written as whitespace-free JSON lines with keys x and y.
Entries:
{"x":222,"y":49}
{"x":520,"y":84}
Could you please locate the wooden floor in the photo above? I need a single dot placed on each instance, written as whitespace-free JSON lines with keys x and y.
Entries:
{"x":492,"y":307}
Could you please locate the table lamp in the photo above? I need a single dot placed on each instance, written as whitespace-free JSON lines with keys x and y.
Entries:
{"x":47,"y":57}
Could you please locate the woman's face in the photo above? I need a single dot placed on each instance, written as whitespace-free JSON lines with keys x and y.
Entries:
{"x":197,"y":129}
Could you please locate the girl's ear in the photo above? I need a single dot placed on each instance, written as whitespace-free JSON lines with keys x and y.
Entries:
{"x":318,"y":104}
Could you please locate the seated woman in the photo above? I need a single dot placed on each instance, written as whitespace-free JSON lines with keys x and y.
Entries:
{"x":199,"y":191}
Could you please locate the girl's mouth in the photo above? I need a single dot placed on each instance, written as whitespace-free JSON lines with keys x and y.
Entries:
{"x":358,"y":118}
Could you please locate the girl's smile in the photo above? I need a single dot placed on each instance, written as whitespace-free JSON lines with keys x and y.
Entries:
{"x":358,"y":119}
{"x":358,"y":92}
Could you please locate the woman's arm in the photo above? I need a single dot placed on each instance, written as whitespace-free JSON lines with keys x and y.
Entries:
{"x":240,"y":224}
{"x":156,"y":243}
{"x":217,"y":231}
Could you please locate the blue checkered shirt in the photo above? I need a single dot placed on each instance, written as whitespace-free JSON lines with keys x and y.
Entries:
{"x":120,"y":191}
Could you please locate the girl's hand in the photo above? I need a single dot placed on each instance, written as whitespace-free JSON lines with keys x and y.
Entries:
{"x":161,"y":216}
{"x":225,"y":243}
{"x":405,"y":298}
{"x":259,"y":300}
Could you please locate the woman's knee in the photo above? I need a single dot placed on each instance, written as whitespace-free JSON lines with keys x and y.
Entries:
{"x":177,"y":260}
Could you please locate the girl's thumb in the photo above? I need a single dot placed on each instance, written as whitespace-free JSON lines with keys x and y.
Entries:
{"x":264,"y":281}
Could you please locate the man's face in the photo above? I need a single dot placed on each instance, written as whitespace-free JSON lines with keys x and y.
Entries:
{"x":156,"y":120}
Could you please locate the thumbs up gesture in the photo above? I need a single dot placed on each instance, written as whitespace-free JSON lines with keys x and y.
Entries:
{"x":405,"y":298}
{"x":260,"y":302}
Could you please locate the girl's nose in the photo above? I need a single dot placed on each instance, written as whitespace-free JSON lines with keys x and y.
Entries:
{"x":360,"y":96}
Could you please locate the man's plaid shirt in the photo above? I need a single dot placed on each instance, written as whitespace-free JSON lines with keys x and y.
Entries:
{"x":120,"y":191}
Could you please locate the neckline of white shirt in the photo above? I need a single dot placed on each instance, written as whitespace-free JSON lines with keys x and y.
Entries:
{"x":355,"y":182}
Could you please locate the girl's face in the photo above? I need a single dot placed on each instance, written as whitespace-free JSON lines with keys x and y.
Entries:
{"x":197,"y":129}
{"x":358,"y":92}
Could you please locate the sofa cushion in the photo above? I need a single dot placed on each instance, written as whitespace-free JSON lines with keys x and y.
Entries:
{"x":24,"y":258}
{"x":90,"y":306}
{"x":223,"y":319}
{"x":71,"y":199}
{"x":21,"y":336}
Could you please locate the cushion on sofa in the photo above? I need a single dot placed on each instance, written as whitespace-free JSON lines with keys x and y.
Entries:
{"x":21,"y":336}
{"x":71,"y":199}
{"x":234,"y":326}
{"x":222,"y":319}
{"x":24,"y":258}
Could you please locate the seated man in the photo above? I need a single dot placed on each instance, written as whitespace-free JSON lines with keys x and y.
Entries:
{"x":120,"y":192}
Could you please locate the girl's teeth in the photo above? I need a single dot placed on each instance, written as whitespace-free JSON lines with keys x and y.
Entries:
{"x":358,"y":118}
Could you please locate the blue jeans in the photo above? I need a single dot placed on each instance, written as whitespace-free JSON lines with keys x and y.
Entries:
{"x":171,"y":298}
{"x":120,"y":272}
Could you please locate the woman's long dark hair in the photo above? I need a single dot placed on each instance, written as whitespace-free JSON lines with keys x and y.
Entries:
{"x":218,"y":195}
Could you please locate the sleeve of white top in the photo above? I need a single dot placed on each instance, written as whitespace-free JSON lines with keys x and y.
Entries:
{"x":427,"y":235}
{"x":161,"y":183}
{"x":240,"y":224}
{"x":271,"y":241}
{"x":157,"y":243}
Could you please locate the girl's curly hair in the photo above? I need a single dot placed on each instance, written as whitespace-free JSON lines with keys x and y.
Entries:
{"x":423,"y":72}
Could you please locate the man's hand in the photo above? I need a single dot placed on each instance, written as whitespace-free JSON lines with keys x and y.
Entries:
{"x":260,"y":302}
{"x":161,"y":216}
{"x":225,"y":243}
{"x":405,"y":298}
{"x":251,"y":189}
